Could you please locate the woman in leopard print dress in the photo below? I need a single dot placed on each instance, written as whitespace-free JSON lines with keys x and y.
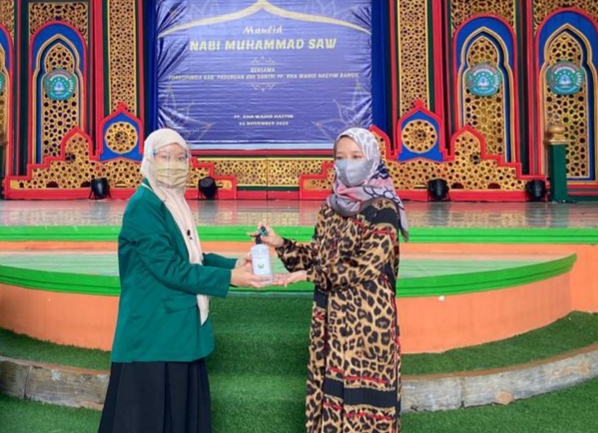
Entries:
{"x":353,"y":259}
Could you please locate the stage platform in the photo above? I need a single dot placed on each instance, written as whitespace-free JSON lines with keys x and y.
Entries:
{"x":303,"y":213}
{"x":472,"y":273}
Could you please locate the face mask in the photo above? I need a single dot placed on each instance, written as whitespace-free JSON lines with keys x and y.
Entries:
{"x":353,"y":172}
{"x":172,"y":174}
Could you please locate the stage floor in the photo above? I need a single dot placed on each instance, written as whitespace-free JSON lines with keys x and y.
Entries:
{"x":303,"y":213}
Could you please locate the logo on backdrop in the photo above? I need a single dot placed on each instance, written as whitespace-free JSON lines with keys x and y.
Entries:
{"x":483,"y":79}
{"x":60,"y":84}
{"x":565,"y":78}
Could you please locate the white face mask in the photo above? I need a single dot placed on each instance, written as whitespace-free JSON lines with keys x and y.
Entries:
{"x":172,"y":174}
{"x":353,"y":172}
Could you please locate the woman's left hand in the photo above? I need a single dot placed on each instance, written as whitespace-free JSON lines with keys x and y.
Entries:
{"x":244,"y":262}
{"x":286,"y":279}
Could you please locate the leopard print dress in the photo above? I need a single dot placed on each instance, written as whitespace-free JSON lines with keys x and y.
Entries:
{"x":353,"y":380}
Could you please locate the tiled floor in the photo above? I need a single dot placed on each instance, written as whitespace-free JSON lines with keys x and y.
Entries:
{"x":303,"y":213}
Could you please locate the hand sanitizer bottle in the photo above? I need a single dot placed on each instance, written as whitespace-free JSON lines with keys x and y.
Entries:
{"x":260,"y":259}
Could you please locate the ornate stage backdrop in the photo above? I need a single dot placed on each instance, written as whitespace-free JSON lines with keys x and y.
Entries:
{"x":462,"y":90}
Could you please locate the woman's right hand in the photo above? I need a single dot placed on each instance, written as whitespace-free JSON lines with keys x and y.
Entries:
{"x":241,"y":277}
{"x":272,"y":239}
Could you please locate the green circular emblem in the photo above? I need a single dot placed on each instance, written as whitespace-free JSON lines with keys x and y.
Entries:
{"x":483,"y":79}
{"x":2,"y":83}
{"x":60,"y":84}
{"x":565,"y":78}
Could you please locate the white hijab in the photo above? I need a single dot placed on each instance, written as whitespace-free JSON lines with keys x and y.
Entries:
{"x":174,"y":199}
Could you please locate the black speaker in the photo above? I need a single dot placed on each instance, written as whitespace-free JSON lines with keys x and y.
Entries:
{"x":437,"y":189}
{"x":100,"y":188}
{"x":536,"y":190}
{"x":208,"y":188}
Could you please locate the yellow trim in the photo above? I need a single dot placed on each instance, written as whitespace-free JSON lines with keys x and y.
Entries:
{"x":268,"y":7}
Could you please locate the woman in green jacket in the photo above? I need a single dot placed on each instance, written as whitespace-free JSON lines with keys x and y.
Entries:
{"x":158,"y":380}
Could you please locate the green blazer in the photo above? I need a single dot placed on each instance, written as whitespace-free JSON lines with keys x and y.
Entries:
{"x":158,"y":318}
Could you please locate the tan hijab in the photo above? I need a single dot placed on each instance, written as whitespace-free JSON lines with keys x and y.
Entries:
{"x":174,"y":200}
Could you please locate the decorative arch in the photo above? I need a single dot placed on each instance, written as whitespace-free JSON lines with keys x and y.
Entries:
{"x":569,"y":36}
{"x":56,"y":47}
{"x":489,"y":40}
{"x":6,"y":99}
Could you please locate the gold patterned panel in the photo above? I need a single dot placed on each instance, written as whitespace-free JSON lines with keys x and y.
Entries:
{"x":7,"y":16}
{"x":249,"y":172}
{"x":195,"y":175}
{"x":419,"y":136}
{"x":271,"y":172}
{"x":286,"y":172}
{"x":462,"y":10}
{"x":74,"y":13}
{"x":543,"y":8}
{"x":121,"y":137}
{"x":486,"y":114}
{"x":122,"y":54}
{"x":76,"y":171}
{"x":569,"y":110}
{"x":120,"y":173}
{"x":468,"y":171}
{"x":412,"y":52}
{"x":4,"y":95}
{"x":59,"y":117}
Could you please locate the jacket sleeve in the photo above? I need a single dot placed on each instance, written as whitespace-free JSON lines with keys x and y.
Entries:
{"x":145,"y":228}
{"x":218,"y":261}
{"x":376,"y":249}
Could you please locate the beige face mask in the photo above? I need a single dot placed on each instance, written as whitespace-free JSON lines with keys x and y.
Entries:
{"x":172,"y":174}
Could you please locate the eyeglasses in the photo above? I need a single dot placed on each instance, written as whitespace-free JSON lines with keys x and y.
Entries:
{"x":167,"y":157}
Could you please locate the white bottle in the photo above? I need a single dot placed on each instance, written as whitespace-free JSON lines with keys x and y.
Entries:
{"x":260,"y":260}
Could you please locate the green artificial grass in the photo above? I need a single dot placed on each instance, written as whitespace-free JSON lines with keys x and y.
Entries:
{"x":269,"y":336}
{"x":574,"y":410}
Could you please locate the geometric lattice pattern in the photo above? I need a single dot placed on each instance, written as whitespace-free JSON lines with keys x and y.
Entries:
{"x":122,"y":55}
{"x":419,"y":136}
{"x":263,"y":172}
{"x":569,"y":110}
{"x":463,"y":10}
{"x":486,"y":113}
{"x":74,"y":169}
{"x":59,"y":116}
{"x":4,"y":95}
{"x":412,"y":36}
{"x":76,"y":166}
{"x":543,"y":8}
{"x":121,"y":137}
{"x":7,"y":16}
{"x":468,"y":168}
{"x":73,"y":13}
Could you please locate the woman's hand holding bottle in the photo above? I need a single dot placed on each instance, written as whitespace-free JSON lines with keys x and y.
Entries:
{"x":268,"y":236}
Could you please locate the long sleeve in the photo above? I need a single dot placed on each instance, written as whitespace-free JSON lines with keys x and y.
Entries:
{"x":374,"y":251}
{"x":145,"y":229}
{"x":218,"y":261}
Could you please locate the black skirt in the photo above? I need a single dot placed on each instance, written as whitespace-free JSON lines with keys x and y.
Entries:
{"x":157,"y":397}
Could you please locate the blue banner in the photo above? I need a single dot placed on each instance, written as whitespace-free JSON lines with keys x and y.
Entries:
{"x":275,"y":75}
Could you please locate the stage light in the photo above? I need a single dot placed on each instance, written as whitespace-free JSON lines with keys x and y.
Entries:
{"x":437,"y":190}
{"x":536,"y":190}
{"x":100,"y":188}
{"x":208,"y":188}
